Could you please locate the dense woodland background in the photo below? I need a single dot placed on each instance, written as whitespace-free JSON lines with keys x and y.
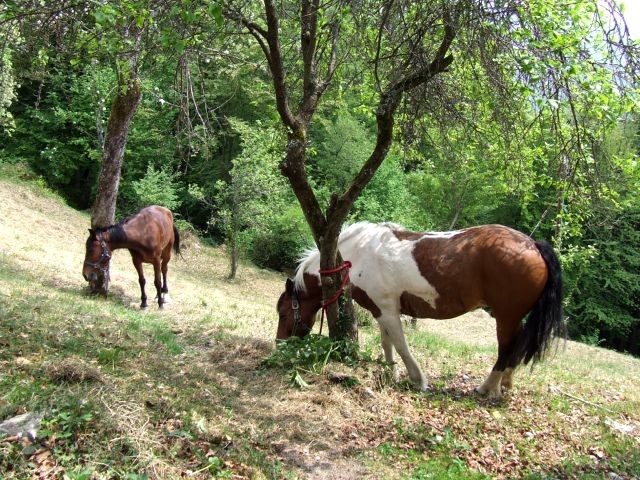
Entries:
{"x":206,"y":141}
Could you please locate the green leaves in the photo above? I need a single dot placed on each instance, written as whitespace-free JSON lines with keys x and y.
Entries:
{"x":296,"y":380}
{"x":314,"y":352}
{"x":105,"y":16}
{"x":215,"y":11}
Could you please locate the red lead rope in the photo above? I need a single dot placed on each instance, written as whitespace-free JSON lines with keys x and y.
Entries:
{"x":325,"y":303}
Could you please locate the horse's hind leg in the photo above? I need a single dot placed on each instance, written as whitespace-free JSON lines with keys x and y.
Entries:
{"x":165,"y":268}
{"x":165,"y":286}
{"x":166,"y":256}
{"x":391,"y":326}
{"x":502,"y":373}
{"x":137,"y":263}
{"x":157,"y":280}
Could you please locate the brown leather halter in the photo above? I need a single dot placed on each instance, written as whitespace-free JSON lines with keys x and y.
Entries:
{"x":98,"y":264}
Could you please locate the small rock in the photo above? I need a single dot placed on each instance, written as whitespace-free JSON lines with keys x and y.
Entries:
{"x":621,"y":427}
{"x":25,"y":425}
{"x":367,"y":392}
{"x":22,"y":361}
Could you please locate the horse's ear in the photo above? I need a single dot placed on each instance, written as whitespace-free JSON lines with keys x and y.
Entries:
{"x":92,"y":232}
{"x":289,"y":286}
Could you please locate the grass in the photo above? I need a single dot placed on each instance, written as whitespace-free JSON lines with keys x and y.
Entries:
{"x":188,"y":391}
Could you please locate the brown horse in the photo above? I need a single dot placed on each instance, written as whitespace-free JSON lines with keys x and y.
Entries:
{"x":149,"y":235}
{"x":441,"y":275}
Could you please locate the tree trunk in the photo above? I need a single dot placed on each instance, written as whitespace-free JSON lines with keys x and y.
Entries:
{"x":233,"y":247}
{"x":123,"y":108}
{"x":341,"y":318}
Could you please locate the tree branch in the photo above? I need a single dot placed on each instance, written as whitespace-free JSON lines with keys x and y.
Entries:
{"x":332,"y":64}
{"x":388,"y":104}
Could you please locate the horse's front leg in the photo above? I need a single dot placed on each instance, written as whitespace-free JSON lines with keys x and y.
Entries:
{"x":165,"y":287}
{"x":137,"y":263}
{"x":387,"y":348}
{"x":391,"y":326}
{"x":157,"y":280}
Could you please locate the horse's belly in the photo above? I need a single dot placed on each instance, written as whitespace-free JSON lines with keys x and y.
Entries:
{"x":416,"y":306}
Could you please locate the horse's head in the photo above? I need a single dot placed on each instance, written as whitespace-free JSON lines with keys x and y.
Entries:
{"x":95,"y":269}
{"x":297,"y":308}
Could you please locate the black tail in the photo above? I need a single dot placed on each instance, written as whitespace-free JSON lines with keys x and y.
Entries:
{"x":176,"y":241}
{"x":546,"y":318}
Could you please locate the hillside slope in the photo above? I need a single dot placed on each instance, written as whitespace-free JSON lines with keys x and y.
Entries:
{"x":184,"y":391}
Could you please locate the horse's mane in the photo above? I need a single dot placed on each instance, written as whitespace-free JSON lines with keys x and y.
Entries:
{"x":116,"y":231}
{"x":309,"y":262}
{"x":304,"y":263}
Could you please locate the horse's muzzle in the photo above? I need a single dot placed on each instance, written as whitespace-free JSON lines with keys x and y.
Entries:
{"x":99,"y":288}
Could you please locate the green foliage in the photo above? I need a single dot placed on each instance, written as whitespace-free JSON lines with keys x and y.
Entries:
{"x":387,"y":196}
{"x":313,"y":352}
{"x":7,"y":83}
{"x":344,"y":144}
{"x":58,"y":132}
{"x":67,"y":422}
{"x":280,"y":242}
{"x":254,"y":207}
{"x":605,"y":302}
{"x":157,"y":187}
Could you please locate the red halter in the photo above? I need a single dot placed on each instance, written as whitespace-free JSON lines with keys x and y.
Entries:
{"x":325,"y":303}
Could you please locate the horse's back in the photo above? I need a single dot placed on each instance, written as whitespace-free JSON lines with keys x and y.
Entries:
{"x":489,"y":265}
{"x":441,"y":274}
{"x":152,"y":228}
{"x":159,"y":214}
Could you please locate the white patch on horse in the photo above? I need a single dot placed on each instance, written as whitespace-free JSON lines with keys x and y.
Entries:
{"x":382,"y":265}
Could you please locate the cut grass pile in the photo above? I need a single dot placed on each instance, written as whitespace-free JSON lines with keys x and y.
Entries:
{"x":185,"y":392}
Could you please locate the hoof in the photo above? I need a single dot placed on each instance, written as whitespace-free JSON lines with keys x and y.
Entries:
{"x":493,"y":393}
{"x":144,"y":307}
{"x":421,"y":385}
{"x":507,"y":385}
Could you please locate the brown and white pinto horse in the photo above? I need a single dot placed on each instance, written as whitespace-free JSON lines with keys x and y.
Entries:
{"x":441,"y":275}
{"x":149,"y":235}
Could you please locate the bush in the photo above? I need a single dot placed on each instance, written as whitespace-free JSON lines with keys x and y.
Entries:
{"x":604,"y":301}
{"x":281,"y":244}
{"x":157,"y":187}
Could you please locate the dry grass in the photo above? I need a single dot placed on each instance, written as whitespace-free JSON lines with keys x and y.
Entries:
{"x":211,"y":397}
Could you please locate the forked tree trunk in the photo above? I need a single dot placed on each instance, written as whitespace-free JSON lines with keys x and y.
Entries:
{"x":325,"y":225}
{"x":123,"y":108}
{"x":341,"y":320}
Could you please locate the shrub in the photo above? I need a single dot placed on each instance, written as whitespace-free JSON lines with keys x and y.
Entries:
{"x":279,"y":245}
{"x":157,"y":187}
